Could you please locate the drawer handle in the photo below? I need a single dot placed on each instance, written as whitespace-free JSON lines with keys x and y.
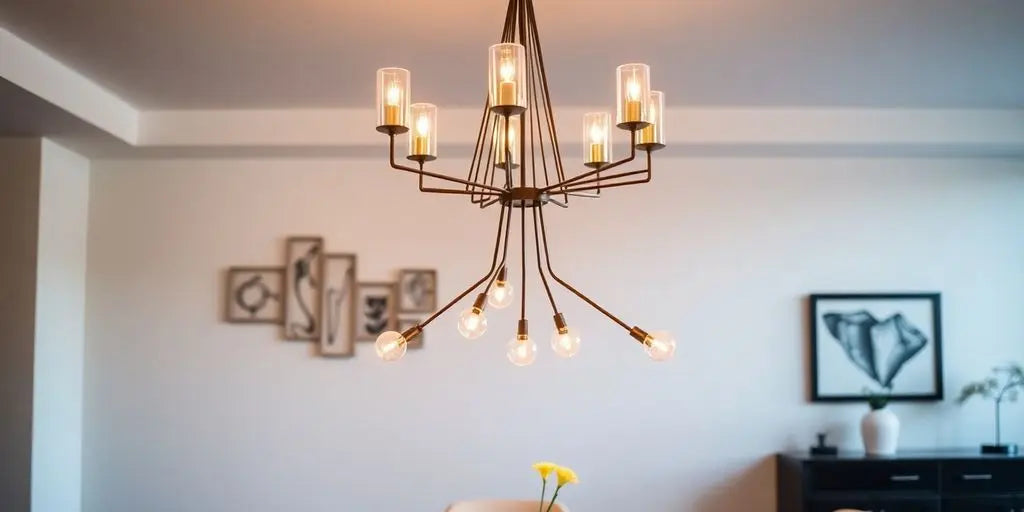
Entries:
{"x":976,"y":477}
{"x":905,"y":478}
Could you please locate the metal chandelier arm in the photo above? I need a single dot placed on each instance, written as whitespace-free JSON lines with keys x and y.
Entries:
{"x":540,"y":269}
{"x":570,"y":181}
{"x":601,"y":180}
{"x":395,"y":165}
{"x":504,"y":221}
{"x":588,"y":300}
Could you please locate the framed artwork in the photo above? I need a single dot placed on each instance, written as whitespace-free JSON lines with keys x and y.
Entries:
{"x":375,"y":310}
{"x":339,"y":306}
{"x":405,"y":323}
{"x":253,"y":295}
{"x":417,"y":291}
{"x":878,"y":342}
{"x":303,"y":287}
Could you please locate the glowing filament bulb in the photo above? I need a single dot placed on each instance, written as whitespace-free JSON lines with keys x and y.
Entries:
{"x":633,"y":89}
{"x":597,"y":134}
{"x":394,"y":95}
{"x":423,"y":126}
{"x":507,"y":70}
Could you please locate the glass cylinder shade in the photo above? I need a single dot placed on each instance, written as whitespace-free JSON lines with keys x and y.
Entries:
{"x":423,"y":135}
{"x":653,"y":135}
{"x":514,"y":133}
{"x":507,"y":78}
{"x":597,"y":148}
{"x":634,"y":95}
{"x":393,"y":87}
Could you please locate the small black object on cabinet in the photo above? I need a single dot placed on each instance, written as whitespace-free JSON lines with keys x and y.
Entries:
{"x":911,"y":482}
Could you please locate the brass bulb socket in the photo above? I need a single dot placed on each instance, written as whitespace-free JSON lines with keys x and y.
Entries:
{"x":478,"y":304}
{"x":524,"y":328}
{"x":502,"y":275}
{"x":640,"y":335}
{"x":411,"y":333}
{"x":560,"y":324}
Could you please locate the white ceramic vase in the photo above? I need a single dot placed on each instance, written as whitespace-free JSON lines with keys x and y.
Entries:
{"x":880,"y":430}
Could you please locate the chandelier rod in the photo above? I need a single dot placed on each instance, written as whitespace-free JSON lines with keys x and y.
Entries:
{"x":395,"y":165}
{"x":540,"y":269}
{"x":502,"y":220}
{"x":603,"y":168}
{"x":621,"y":184}
{"x":522,"y":245}
{"x":576,"y":187}
{"x":546,"y":98}
{"x":547,"y":257}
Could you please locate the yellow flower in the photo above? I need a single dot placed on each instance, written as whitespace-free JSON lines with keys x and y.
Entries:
{"x":566,"y":476}
{"x":545,"y":469}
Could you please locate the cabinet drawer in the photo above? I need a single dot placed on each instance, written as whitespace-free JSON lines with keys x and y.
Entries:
{"x":983,"y":476}
{"x":874,"y":476}
{"x":980,"y":505}
{"x":898,"y":505}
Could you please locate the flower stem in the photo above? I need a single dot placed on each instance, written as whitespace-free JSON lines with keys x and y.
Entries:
{"x":543,"y":490}
{"x":553,"y":498}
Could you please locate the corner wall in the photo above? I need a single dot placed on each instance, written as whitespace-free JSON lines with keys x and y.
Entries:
{"x":60,"y":331}
{"x":19,"y":206}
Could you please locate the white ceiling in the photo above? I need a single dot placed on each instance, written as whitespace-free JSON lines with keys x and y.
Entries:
{"x":205,"y":54}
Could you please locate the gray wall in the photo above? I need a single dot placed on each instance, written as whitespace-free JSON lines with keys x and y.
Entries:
{"x":19,"y":223}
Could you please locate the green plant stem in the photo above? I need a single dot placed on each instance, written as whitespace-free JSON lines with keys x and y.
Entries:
{"x":543,"y":491}
{"x":553,"y":498}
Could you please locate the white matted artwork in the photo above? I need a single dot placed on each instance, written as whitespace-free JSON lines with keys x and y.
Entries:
{"x":303,"y":285}
{"x":375,"y":310}
{"x":339,"y":329}
{"x":887,"y":343}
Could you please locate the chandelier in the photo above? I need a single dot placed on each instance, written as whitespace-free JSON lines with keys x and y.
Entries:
{"x":517,"y":166}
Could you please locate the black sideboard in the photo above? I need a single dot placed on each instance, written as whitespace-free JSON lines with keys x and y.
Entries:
{"x":909,"y":482}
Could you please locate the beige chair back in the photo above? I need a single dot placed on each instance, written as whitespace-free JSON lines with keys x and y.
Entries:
{"x":500,"y":506}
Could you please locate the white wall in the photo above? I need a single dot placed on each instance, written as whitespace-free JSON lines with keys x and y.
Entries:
{"x":60,"y":331}
{"x":183,"y":412}
{"x":19,"y":204}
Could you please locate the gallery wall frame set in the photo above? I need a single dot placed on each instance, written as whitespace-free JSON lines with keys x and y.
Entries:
{"x":888,"y":343}
{"x":316,"y":296}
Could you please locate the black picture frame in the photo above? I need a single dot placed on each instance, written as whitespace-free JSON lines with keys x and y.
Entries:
{"x":934,"y":306}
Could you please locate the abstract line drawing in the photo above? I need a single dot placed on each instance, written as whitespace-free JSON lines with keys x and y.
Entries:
{"x":862,"y":337}
{"x":375,"y":310}
{"x":303,"y":302}
{"x":254,"y":294}
{"x":338,"y":334}
{"x":417,"y":291}
{"x":887,"y":343}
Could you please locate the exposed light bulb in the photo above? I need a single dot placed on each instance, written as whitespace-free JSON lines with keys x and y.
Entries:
{"x":472,"y":323}
{"x":394,"y":95}
{"x":597,"y":134}
{"x":633,"y":89}
{"x":500,"y":295}
{"x":566,"y":344}
{"x":423,"y":126}
{"x":507,"y":70}
{"x":391,"y":346}
{"x":522,"y":351}
{"x":660,"y":345}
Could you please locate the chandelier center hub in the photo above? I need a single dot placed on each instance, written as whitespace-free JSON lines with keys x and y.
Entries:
{"x":524,"y":197}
